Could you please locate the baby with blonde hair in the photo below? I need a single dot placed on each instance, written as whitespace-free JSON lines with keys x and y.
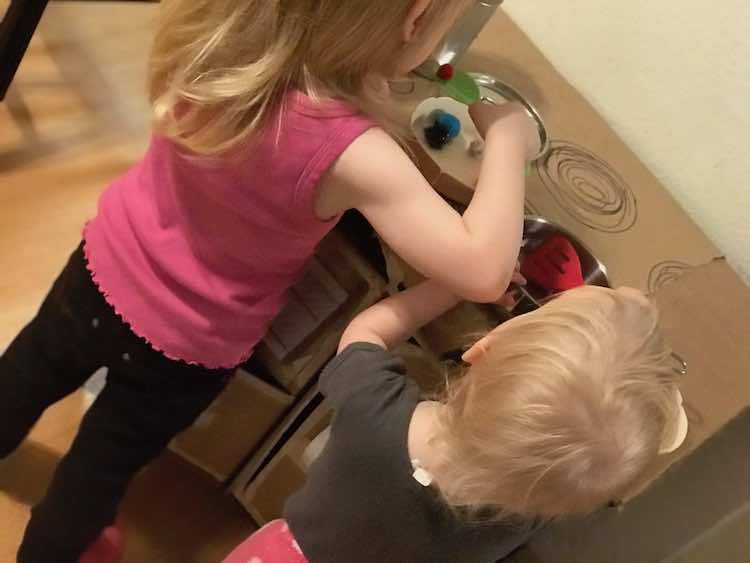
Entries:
{"x":562,"y":410}
{"x":559,"y":412}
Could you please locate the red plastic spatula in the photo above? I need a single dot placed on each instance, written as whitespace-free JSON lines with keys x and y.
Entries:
{"x":554,"y":266}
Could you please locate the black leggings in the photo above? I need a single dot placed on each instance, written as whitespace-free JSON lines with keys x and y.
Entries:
{"x":147,"y":400}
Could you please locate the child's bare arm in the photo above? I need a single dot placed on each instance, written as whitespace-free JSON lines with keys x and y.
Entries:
{"x":395,"y":319}
{"x":473,"y":255}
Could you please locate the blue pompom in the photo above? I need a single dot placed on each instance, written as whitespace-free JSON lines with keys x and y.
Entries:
{"x":450,"y":123}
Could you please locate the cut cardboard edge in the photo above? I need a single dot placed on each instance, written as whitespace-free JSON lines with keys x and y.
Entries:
{"x":716,"y":388}
{"x":267,"y":391}
{"x":273,"y":443}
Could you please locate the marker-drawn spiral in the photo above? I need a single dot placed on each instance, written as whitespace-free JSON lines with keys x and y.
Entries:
{"x":588,"y":188}
{"x":664,"y":273}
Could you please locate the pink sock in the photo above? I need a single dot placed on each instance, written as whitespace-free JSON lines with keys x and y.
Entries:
{"x":108,"y":547}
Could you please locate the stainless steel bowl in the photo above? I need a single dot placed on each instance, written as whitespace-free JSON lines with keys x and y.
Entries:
{"x":508,"y":93}
{"x":535,"y":232}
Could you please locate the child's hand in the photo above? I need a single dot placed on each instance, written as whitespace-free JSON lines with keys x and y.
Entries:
{"x":510,"y":119}
{"x":509,"y":299}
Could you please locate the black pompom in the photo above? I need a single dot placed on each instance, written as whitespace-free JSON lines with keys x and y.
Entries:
{"x":437,"y":135}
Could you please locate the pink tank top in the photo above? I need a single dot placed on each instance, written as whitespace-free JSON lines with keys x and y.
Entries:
{"x":197,"y":256}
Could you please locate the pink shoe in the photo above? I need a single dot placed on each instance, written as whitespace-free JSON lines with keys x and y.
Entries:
{"x":109,"y":547}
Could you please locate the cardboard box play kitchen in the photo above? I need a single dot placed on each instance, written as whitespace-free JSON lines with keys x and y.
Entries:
{"x":233,"y":426}
{"x":637,"y":230}
{"x":593,"y":185}
{"x":363,"y":285}
{"x":277,"y":469}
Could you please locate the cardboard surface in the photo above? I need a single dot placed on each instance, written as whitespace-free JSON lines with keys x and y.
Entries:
{"x":363,"y":287}
{"x":591,"y":183}
{"x":310,"y":303}
{"x":233,"y":426}
{"x":274,"y":474}
{"x":594,"y":186}
{"x":706,"y":317}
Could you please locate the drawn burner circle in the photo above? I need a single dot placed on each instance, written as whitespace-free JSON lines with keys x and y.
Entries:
{"x":665,"y":273}
{"x":587,"y":188}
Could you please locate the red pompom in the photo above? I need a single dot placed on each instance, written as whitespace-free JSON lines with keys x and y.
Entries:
{"x":445,"y":72}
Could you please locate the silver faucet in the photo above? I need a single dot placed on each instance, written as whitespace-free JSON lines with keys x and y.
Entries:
{"x":460,"y":37}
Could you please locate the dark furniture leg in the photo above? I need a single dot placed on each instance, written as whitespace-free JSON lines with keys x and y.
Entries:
{"x":16,"y":30}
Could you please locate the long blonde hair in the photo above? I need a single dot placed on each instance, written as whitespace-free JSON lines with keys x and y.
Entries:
{"x":219,"y":68}
{"x":564,"y":413}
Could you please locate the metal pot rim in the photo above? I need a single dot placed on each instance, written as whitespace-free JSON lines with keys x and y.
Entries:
{"x":510,"y":93}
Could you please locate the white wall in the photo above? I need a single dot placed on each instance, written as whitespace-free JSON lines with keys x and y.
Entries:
{"x":673,"y":79}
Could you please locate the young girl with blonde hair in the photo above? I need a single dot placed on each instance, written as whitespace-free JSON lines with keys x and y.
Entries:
{"x":267,"y":121}
{"x":560,"y":412}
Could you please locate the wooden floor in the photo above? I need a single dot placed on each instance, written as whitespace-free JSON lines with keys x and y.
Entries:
{"x":75,"y":118}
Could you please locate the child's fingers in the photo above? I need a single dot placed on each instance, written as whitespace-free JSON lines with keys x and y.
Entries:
{"x":518,"y":278}
{"x":511,"y":297}
{"x":508,"y":300}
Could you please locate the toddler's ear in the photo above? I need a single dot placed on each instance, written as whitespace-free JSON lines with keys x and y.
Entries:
{"x":475,"y":353}
{"x":677,"y":430}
